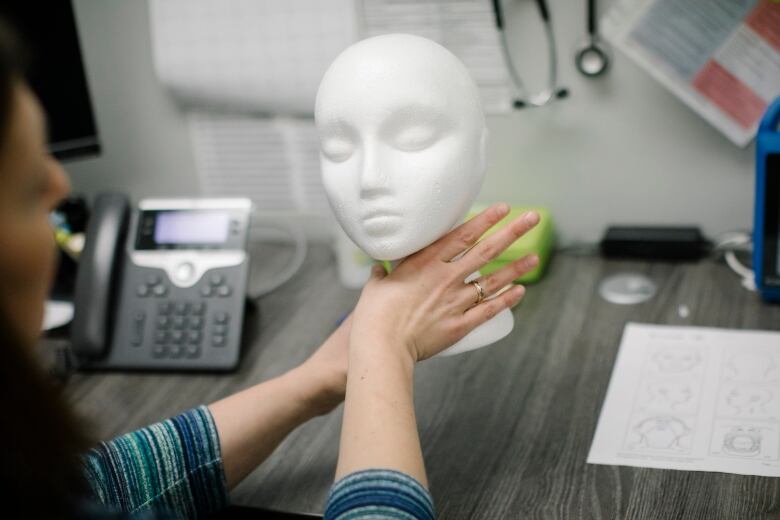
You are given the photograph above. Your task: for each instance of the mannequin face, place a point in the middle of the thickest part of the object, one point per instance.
(403, 141)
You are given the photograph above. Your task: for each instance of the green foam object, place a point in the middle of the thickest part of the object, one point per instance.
(540, 240)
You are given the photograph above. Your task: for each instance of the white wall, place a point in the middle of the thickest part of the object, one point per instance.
(619, 150)
(146, 145)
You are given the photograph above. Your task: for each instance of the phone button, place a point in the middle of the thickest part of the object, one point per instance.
(196, 322)
(184, 272)
(138, 328)
(220, 330)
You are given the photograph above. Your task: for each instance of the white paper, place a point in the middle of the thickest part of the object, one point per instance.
(466, 27)
(720, 57)
(269, 56)
(691, 398)
(249, 55)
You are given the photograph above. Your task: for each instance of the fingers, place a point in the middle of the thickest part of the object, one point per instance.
(495, 282)
(492, 246)
(486, 310)
(464, 236)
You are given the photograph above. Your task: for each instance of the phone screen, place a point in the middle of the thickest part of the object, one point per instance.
(191, 227)
(163, 229)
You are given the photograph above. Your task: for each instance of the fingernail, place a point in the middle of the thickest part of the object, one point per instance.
(519, 291)
(531, 218)
(503, 208)
(533, 260)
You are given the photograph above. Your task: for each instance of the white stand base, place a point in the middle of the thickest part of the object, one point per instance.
(484, 335)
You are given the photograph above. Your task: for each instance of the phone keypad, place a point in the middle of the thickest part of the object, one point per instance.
(179, 329)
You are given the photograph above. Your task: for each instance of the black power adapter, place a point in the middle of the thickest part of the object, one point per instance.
(654, 243)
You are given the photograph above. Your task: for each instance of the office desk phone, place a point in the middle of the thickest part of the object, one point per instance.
(162, 287)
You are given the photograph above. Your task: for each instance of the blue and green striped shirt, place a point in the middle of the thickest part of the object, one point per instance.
(175, 468)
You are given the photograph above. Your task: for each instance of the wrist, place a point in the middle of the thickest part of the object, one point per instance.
(319, 390)
(377, 351)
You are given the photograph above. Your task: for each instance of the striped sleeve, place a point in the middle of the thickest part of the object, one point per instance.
(379, 493)
(173, 466)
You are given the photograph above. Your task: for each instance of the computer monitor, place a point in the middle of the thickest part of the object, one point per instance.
(56, 72)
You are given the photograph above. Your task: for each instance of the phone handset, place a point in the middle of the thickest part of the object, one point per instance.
(97, 277)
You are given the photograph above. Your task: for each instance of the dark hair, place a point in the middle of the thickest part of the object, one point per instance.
(41, 442)
(13, 63)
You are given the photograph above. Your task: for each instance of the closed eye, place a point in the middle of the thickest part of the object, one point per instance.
(337, 149)
(417, 137)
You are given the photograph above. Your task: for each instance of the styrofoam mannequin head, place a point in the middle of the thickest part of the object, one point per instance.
(403, 142)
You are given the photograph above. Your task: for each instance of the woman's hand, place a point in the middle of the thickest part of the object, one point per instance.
(411, 314)
(424, 306)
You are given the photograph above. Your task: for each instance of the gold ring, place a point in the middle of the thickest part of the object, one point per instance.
(480, 292)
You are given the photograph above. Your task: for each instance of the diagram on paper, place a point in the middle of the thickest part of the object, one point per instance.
(664, 433)
(693, 399)
(745, 440)
(748, 401)
(752, 367)
(673, 395)
(676, 359)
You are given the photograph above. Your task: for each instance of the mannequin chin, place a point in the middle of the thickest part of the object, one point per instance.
(403, 150)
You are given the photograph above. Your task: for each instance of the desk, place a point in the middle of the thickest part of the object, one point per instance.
(505, 430)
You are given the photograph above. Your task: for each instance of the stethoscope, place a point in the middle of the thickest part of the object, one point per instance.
(552, 91)
(592, 59)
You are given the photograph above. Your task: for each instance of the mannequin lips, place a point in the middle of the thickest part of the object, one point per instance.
(381, 221)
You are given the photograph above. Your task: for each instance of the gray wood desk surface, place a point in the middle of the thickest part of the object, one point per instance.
(506, 429)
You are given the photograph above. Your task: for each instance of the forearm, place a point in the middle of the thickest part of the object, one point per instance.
(379, 428)
(253, 422)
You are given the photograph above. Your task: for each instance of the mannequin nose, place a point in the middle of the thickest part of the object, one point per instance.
(373, 181)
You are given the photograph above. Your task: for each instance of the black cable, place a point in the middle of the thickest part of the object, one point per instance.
(592, 28)
(543, 11)
(499, 14)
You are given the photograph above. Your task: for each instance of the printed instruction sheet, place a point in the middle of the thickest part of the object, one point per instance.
(720, 57)
(690, 398)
